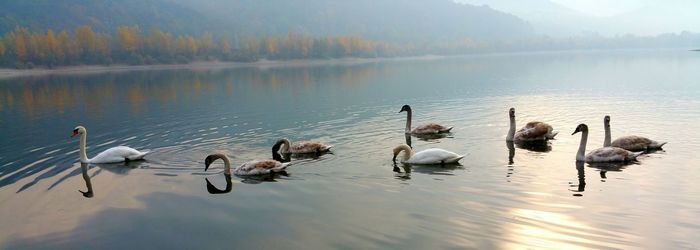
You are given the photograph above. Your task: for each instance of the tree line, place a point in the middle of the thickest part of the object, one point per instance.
(22, 48)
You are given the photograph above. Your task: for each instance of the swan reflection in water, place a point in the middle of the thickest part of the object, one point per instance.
(121, 168)
(511, 154)
(535, 146)
(606, 167)
(404, 170)
(580, 187)
(429, 137)
(89, 193)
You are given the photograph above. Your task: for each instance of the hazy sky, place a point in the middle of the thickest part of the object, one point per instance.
(607, 7)
(605, 17)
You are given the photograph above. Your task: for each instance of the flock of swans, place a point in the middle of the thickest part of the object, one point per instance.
(623, 149)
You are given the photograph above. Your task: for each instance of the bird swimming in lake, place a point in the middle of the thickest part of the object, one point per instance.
(428, 156)
(533, 131)
(423, 129)
(631, 142)
(111, 155)
(301, 147)
(604, 154)
(255, 167)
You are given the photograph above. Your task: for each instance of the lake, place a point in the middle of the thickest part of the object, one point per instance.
(356, 197)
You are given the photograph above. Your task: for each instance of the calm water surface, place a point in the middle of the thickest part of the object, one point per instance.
(355, 197)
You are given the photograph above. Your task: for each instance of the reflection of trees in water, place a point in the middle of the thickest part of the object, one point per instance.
(58, 92)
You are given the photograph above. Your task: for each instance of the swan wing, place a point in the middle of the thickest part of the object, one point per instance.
(535, 131)
(635, 143)
(258, 167)
(118, 154)
(304, 147)
(610, 154)
(430, 128)
(434, 156)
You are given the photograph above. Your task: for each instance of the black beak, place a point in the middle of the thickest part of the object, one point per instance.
(575, 131)
(394, 159)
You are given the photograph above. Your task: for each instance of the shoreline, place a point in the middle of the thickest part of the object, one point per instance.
(6, 73)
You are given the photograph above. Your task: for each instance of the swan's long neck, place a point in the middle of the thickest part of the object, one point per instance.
(409, 115)
(407, 152)
(285, 145)
(227, 165)
(607, 141)
(511, 131)
(83, 153)
(581, 154)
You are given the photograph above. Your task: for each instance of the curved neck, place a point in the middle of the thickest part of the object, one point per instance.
(409, 115)
(606, 142)
(511, 131)
(285, 145)
(83, 153)
(227, 165)
(581, 154)
(407, 151)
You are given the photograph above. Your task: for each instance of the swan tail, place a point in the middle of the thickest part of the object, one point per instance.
(282, 168)
(138, 156)
(658, 146)
(552, 135)
(446, 130)
(454, 160)
(327, 148)
(636, 154)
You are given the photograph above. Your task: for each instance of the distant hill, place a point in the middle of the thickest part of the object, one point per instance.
(387, 20)
(101, 15)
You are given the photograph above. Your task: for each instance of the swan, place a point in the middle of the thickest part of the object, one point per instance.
(533, 131)
(428, 128)
(301, 147)
(604, 154)
(632, 142)
(428, 156)
(111, 155)
(254, 167)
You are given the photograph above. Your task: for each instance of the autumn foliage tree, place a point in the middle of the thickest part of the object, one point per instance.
(22, 48)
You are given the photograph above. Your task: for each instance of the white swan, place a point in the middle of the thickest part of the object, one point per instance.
(255, 167)
(604, 154)
(111, 155)
(533, 131)
(428, 156)
(631, 143)
(301, 147)
(428, 128)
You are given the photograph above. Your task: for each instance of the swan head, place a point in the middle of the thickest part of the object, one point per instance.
(78, 130)
(606, 121)
(580, 128)
(511, 112)
(405, 108)
(211, 158)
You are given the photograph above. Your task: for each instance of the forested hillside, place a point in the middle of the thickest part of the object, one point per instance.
(386, 20)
